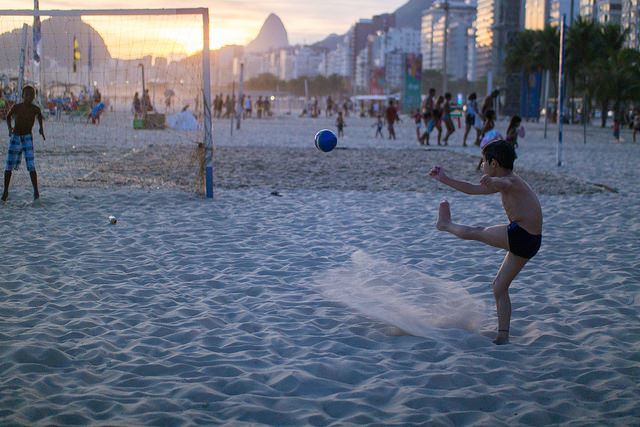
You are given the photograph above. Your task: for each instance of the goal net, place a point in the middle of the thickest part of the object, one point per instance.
(122, 92)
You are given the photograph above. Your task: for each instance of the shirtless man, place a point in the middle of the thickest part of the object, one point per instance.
(521, 238)
(21, 140)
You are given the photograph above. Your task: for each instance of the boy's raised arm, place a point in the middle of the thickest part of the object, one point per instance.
(496, 183)
(40, 124)
(437, 172)
(9, 116)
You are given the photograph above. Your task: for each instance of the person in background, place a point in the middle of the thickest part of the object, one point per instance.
(340, 124)
(514, 130)
(446, 117)
(21, 139)
(379, 124)
(417, 118)
(391, 116)
(471, 118)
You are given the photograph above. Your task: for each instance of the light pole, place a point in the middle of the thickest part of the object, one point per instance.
(144, 101)
(141, 65)
(445, 6)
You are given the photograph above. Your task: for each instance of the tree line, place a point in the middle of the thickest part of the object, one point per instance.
(598, 67)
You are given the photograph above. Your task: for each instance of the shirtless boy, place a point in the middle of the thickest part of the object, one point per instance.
(521, 238)
(25, 114)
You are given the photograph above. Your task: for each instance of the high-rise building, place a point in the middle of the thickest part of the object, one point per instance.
(337, 61)
(459, 50)
(405, 40)
(602, 11)
(497, 22)
(361, 31)
(385, 56)
(536, 15)
(566, 8)
(361, 80)
(631, 20)
(306, 62)
(540, 13)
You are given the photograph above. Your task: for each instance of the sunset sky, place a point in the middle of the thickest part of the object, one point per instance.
(238, 21)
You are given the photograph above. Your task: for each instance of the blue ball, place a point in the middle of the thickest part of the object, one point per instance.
(326, 140)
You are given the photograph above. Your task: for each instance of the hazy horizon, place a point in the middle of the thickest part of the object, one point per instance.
(239, 21)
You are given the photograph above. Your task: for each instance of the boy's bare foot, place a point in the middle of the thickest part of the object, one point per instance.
(444, 216)
(5, 196)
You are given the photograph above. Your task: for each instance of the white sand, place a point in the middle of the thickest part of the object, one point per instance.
(256, 309)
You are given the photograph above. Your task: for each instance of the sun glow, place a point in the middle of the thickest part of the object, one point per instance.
(176, 36)
(130, 37)
(227, 36)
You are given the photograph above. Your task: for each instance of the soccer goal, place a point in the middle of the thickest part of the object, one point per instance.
(125, 94)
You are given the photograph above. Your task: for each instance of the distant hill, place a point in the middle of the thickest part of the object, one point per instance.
(330, 42)
(272, 35)
(410, 14)
(57, 42)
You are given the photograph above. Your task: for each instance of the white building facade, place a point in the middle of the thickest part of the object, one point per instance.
(460, 39)
(631, 20)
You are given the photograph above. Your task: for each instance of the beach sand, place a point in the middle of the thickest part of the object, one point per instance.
(336, 302)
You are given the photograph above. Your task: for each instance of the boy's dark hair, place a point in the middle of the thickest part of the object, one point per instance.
(28, 89)
(502, 152)
(515, 119)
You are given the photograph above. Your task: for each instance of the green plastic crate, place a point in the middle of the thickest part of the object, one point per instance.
(138, 123)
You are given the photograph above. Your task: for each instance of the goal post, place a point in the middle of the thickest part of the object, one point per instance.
(75, 71)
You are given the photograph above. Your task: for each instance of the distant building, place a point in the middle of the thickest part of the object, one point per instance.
(497, 22)
(394, 70)
(306, 62)
(537, 14)
(337, 61)
(405, 40)
(540, 13)
(382, 60)
(564, 7)
(361, 30)
(631, 20)
(460, 40)
(223, 62)
(285, 69)
(602, 11)
(362, 71)
(255, 63)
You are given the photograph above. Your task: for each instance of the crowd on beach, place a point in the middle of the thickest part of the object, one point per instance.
(434, 117)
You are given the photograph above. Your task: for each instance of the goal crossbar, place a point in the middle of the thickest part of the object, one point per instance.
(206, 67)
(103, 12)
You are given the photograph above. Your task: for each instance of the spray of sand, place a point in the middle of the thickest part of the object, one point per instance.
(404, 297)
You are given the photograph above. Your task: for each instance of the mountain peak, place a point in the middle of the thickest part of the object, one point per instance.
(272, 35)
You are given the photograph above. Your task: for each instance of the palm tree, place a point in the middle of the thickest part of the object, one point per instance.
(582, 50)
(609, 45)
(520, 57)
(617, 79)
(533, 51)
(546, 48)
